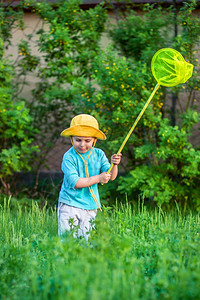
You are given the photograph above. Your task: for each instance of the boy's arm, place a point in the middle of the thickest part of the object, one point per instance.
(115, 160)
(103, 177)
(88, 181)
(114, 172)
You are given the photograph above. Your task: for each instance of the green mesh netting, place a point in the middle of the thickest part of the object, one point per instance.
(169, 67)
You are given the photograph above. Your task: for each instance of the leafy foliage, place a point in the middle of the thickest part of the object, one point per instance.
(75, 75)
(140, 37)
(16, 131)
(10, 19)
(173, 171)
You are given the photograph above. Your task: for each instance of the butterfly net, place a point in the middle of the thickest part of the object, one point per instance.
(170, 68)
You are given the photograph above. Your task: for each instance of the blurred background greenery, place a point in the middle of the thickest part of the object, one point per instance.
(75, 71)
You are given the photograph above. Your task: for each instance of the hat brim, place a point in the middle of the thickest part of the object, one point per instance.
(84, 130)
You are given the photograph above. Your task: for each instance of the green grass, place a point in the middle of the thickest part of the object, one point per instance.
(133, 254)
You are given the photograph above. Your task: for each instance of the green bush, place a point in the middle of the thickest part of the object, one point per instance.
(16, 131)
(139, 37)
(172, 172)
(76, 76)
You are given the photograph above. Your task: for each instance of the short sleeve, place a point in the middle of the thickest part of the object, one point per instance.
(70, 171)
(105, 165)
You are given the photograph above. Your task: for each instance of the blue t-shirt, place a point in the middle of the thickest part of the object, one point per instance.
(73, 168)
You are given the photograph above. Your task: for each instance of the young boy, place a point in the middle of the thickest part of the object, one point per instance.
(84, 167)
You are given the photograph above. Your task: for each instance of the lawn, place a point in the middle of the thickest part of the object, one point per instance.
(134, 253)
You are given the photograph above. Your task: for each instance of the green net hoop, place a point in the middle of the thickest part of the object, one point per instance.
(170, 68)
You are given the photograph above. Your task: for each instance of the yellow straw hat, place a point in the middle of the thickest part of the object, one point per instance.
(84, 125)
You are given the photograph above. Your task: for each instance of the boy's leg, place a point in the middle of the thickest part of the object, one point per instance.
(66, 213)
(81, 217)
(87, 223)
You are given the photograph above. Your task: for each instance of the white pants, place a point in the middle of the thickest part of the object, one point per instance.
(70, 216)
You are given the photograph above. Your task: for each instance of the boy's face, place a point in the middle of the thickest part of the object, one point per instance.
(82, 143)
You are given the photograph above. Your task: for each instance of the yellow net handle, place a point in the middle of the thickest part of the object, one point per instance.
(135, 123)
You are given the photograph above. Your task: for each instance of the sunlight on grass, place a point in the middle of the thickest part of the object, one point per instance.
(132, 254)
